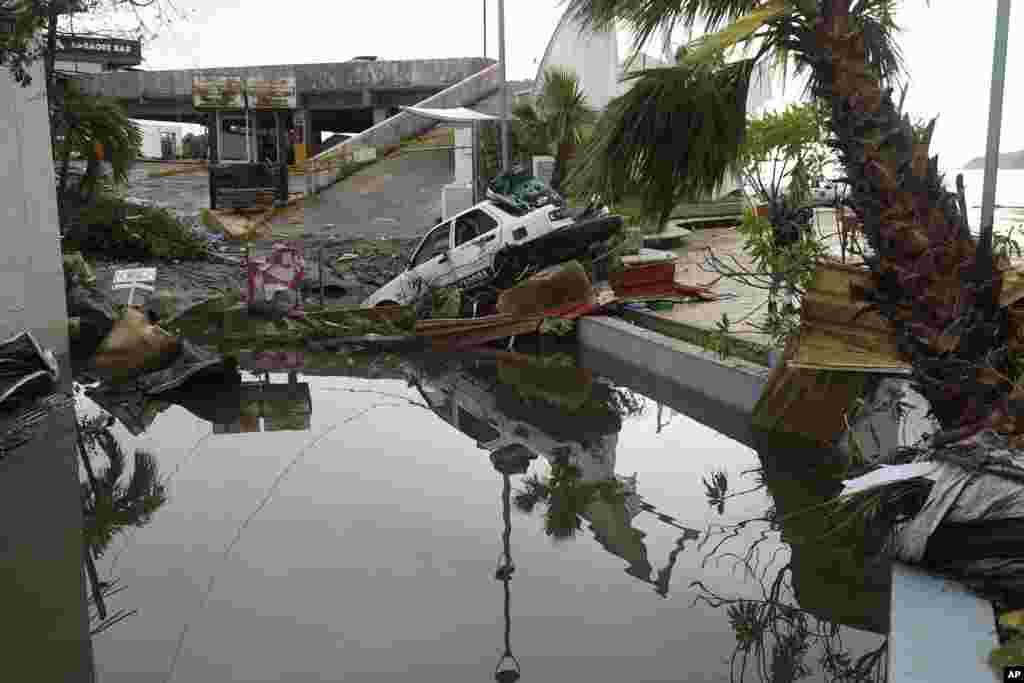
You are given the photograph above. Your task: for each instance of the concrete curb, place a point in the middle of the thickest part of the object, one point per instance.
(750, 351)
(734, 383)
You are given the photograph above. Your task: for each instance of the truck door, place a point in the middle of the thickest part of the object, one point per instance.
(477, 236)
(431, 262)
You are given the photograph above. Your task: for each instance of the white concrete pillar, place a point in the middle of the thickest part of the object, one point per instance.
(463, 156)
(32, 261)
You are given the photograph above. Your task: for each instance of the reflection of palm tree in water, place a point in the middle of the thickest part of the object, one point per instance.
(110, 507)
(113, 506)
(609, 505)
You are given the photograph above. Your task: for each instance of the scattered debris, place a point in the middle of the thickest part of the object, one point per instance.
(273, 281)
(837, 333)
(22, 361)
(559, 285)
(134, 346)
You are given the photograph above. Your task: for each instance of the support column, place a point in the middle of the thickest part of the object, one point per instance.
(213, 150)
(302, 121)
(314, 135)
(280, 144)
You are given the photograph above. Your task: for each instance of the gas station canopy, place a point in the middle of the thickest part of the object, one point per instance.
(451, 115)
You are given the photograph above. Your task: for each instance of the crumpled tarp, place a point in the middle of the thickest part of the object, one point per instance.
(23, 361)
(963, 496)
(522, 191)
(197, 378)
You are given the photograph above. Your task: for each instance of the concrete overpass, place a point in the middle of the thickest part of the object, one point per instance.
(342, 96)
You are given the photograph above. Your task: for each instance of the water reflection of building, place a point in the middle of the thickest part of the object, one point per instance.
(233, 406)
(474, 399)
(265, 406)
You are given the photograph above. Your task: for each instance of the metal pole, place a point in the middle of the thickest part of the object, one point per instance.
(320, 261)
(476, 162)
(248, 138)
(504, 88)
(995, 120)
(220, 141)
(485, 28)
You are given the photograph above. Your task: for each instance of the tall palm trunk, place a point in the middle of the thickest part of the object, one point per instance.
(925, 261)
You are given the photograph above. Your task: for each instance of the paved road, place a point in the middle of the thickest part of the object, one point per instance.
(185, 194)
(396, 197)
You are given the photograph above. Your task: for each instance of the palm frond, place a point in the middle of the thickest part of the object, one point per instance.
(145, 480)
(709, 46)
(564, 106)
(878, 30)
(674, 135)
(534, 491)
(93, 119)
(645, 18)
(109, 475)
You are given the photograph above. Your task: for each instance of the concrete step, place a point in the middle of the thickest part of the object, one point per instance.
(940, 632)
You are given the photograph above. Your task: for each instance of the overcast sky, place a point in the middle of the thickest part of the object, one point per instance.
(948, 48)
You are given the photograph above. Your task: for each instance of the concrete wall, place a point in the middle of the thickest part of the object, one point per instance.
(29, 204)
(42, 588)
(310, 79)
(592, 55)
(152, 147)
(734, 383)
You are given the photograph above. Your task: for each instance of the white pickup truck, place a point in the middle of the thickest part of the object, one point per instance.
(491, 242)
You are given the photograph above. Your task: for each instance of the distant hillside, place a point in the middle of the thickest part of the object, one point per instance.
(1010, 161)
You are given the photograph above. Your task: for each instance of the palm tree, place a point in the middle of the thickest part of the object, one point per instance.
(566, 496)
(92, 121)
(558, 120)
(677, 131)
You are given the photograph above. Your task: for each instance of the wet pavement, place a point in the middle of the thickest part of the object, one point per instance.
(350, 521)
(186, 194)
(396, 197)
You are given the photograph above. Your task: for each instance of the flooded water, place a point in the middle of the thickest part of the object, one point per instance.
(364, 534)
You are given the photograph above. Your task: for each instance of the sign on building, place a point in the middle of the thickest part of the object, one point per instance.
(111, 46)
(217, 92)
(276, 93)
(234, 93)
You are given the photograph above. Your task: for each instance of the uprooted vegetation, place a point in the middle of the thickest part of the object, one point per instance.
(113, 228)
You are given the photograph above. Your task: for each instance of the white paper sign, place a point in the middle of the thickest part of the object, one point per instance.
(889, 474)
(134, 275)
(133, 285)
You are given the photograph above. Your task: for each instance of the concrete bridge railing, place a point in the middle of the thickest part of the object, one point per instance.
(310, 79)
(321, 169)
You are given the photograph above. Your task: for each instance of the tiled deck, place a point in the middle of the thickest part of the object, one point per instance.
(745, 305)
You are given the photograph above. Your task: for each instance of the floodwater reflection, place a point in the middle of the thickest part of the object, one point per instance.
(352, 544)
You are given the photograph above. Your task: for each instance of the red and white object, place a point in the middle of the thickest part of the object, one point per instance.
(281, 271)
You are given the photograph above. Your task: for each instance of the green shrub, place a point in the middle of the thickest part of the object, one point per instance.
(113, 228)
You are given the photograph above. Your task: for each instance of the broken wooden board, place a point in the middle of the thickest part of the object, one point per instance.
(809, 403)
(1012, 290)
(838, 333)
(250, 223)
(835, 347)
(458, 333)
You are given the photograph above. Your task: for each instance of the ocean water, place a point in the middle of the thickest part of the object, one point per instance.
(1009, 199)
